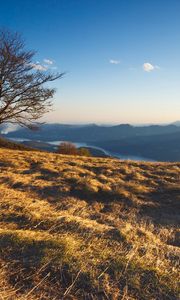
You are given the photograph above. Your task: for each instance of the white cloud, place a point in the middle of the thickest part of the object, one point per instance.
(48, 61)
(147, 67)
(114, 62)
(38, 67)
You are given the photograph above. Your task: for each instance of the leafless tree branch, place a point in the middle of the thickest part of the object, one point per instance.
(24, 96)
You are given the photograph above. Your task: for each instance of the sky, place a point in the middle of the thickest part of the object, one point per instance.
(121, 57)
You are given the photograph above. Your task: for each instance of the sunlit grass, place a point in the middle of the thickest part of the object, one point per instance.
(87, 228)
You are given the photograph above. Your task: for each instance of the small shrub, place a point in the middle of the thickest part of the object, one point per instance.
(71, 149)
(67, 148)
(84, 152)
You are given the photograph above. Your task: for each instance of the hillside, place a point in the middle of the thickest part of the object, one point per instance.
(87, 228)
(6, 144)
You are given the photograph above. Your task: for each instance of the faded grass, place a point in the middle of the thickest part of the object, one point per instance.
(87, 228)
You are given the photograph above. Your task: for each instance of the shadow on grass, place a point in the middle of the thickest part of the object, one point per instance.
(22, 220)
(46, 174)
(166, 208)
(142, 283)
(161, 205)
(28, 266)
(26, 257)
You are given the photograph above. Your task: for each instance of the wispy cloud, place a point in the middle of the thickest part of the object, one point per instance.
(47, 64)
(148, 67)
(38, 67)
(114, 62)
(48, 61)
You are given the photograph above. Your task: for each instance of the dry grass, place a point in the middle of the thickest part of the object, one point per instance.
(87, 228)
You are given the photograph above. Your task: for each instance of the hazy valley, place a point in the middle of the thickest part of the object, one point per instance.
(151, 142)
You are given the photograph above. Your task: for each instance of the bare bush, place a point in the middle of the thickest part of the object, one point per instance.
(71, 149)
(67, 148)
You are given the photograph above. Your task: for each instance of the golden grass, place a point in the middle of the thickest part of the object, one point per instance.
(87, 228)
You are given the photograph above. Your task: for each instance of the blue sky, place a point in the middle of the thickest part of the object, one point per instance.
(122, 57)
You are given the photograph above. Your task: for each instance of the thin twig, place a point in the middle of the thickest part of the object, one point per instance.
(103, 271)
(73, 283)
(32, 290)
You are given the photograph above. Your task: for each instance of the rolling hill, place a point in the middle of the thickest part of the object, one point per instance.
(7, 144)
(87, 228)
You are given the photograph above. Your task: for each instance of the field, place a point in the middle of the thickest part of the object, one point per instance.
(87, 228)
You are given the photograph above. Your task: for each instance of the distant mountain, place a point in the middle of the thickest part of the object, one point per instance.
(162, 147)
(90, 133)
(158, 142)
(177, 123)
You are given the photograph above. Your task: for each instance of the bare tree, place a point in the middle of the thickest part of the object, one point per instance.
(24, 96)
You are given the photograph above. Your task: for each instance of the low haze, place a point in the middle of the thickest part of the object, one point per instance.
(121, 58)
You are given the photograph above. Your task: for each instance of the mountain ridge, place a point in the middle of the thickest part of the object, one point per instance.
(155, 142)
(90, 132)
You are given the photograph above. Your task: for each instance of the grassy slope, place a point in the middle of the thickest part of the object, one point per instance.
(87, 228)
(7, 144)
